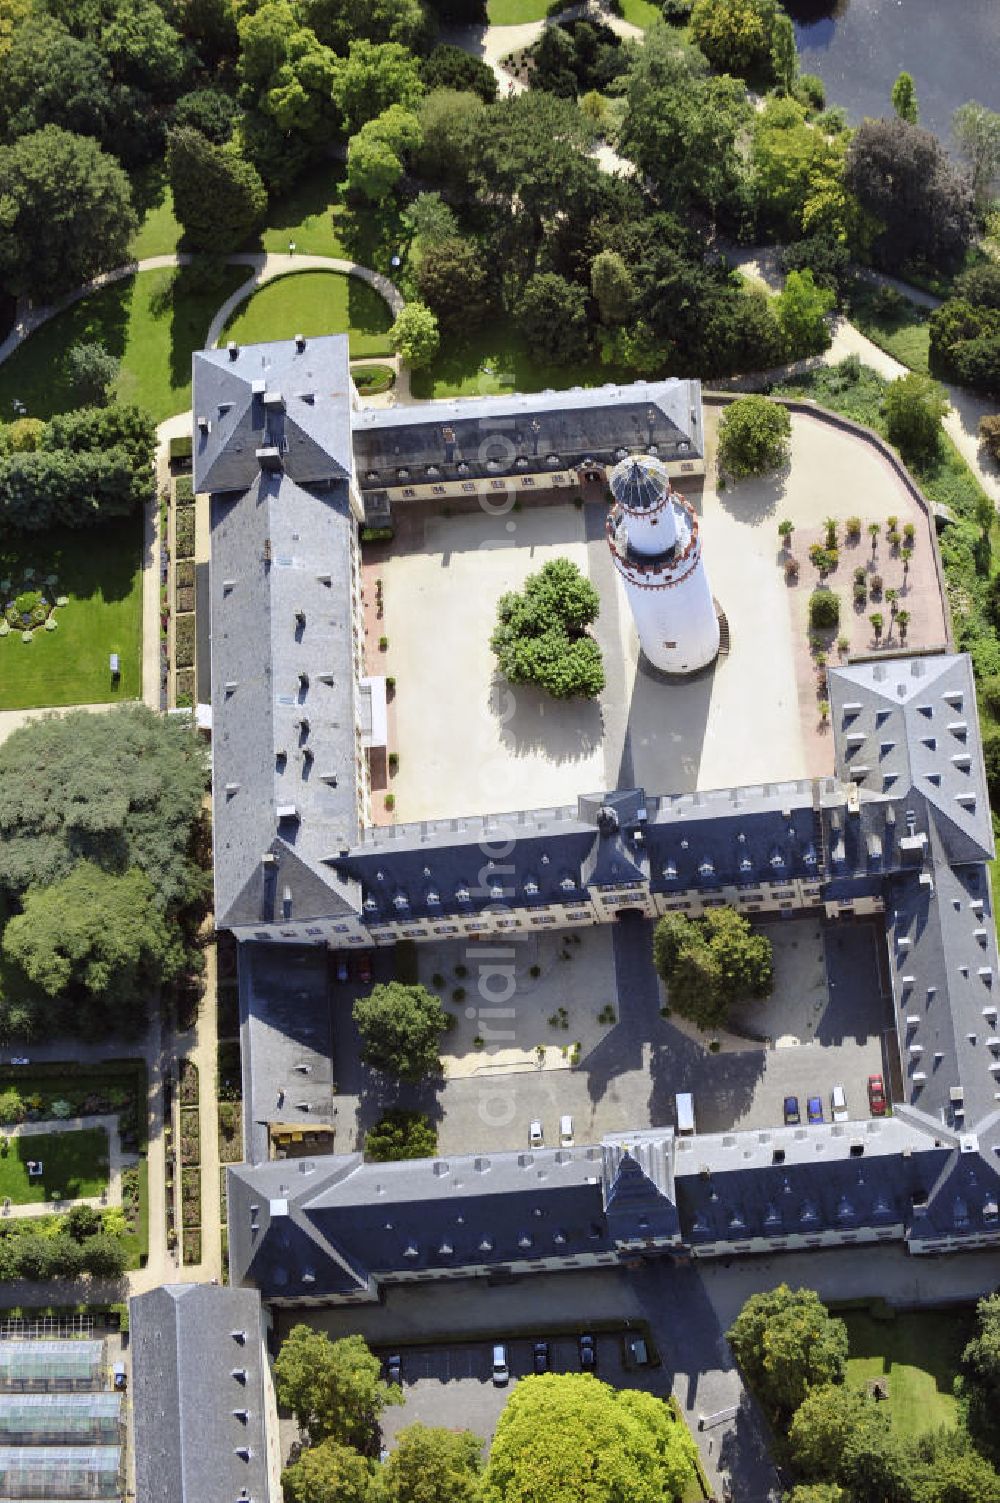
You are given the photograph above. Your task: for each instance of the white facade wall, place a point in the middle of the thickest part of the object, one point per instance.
(671, 599)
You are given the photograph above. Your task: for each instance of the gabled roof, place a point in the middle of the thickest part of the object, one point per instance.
(288, 396)
(478, 436)
(639, 1197)
(198, 1394)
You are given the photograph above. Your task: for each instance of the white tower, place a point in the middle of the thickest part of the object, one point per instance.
(656, 548)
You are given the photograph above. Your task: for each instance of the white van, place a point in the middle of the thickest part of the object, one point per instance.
(566, 1132)
(838, 1104)
(501, 1372)
(684, 1104)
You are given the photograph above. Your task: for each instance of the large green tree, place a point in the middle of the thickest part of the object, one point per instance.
(401, 1028)
(902, 177)
(751, 38)
(452, 281)
(754, 436)
(97, 942)
(566, 1437)
(398, 1135)
(375, 154)
(333, 1388)
(450, 67)
(977, 131)
(218, 197)
(981, 1357)
(431, 1465)
(788, 1343)
(414, 335)
(541, 634)
(122, 789)
(838, 1434)
(340, 22)
(328, 1473)
(552, 318)
(945, 1467)
(286, 72)
(913, 407)
(802, 307)
(372, 77)
(65, 213)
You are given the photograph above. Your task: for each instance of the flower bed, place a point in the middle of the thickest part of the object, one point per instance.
(28, 604)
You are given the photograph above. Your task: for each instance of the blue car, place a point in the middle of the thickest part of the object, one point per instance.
(814, 1109)
(792, 1118)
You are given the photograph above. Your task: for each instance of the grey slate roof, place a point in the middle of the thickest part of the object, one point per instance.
(325, 1224)
(296, 400)
(548, 431)
(190, 1372)
(282, 683)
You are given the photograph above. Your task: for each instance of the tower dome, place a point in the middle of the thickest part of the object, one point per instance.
(656, 547)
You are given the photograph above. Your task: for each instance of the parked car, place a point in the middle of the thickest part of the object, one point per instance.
(501, 1372)
(566, 1132)
(363, 968)
(393, 1369)
(535, 1135)
(540, 1356)
(838, 1104)
(814, 1109)
(876, 1096)
(792, 1118)
(588, 1354)
(341, 967)
(20, 1059)
(636, 1352)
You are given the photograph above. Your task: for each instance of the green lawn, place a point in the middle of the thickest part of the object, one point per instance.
(316, 302)
(495, 359)
(919, 1353)
(516, 12)
(158, 233)
(75, 1165)
(641, 13)
(152, 322)
(99, 569)
(313, 216)
(904, 334)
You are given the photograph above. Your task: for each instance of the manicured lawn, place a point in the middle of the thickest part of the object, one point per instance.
(516, 12)
(316, 302)
(152, 322)
(313, 216)
(918, 1352)
(159, 232)
(640, 12)
(99, 569)
(496, 360)
(903, 334)
(75, 1165)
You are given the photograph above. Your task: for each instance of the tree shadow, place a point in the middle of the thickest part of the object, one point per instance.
(756, 498)
(560, 730)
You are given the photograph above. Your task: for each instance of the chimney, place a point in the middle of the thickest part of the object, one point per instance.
(234, 349)
(300, 342)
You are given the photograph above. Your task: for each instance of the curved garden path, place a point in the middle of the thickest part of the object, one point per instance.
(264, 266)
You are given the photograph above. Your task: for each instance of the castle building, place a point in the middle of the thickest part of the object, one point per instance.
(656, 547)
(901, 830)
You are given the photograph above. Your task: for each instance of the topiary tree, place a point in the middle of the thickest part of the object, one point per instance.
(904, 98)
(824, 609)
(913, 407)
(541, 634)
(399, 1135)
(415, 335)
(218, 196)
(801, 309)
(754, 436)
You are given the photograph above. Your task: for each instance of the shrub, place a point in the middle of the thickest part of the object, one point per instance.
(825, 559)
(754, 436)
(12, 1107)
(824, 608)
(400, 1135)
(989, 432)
(852, 528)
(791, 570)
(913, 408)
(184, 490)
(389, 801)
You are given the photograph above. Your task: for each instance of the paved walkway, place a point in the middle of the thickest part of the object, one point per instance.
(117, 1161)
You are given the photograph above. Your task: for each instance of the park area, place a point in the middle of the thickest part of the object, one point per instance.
(316, 302)
(101, 580)
(74, 1166)
(916, 1353)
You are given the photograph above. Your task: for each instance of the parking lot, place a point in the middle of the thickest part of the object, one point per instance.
(445, 1385)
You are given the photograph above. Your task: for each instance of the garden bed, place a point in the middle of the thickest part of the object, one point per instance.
(184, 531)
(88, 1090)
(187, 1076)
(190, 1136)
(191, 1246)
(230, 1132)
(184, 639)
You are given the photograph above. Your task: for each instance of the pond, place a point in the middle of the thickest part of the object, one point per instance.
(858, 48)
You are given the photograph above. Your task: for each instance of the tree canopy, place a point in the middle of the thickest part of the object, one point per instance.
(218, 197)
(401, 1028)
(541, 634)
(754, 436)
(65, 213)
(415, 336)
(838, 1434)
(120, 790)
(711, 963)
(752, 39)
(913, 407)
(902, 177)
(566, 1437)
(788, 1344)
(430, 1465)
(328, 1473)
(80, 467)
(333, 1388)
(400, 1134)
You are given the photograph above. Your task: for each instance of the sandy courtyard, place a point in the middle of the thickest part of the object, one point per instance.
(468, 743)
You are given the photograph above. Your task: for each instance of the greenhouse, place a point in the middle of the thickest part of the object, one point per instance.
(44, 1472)
(53, 1419)
(70, 1366)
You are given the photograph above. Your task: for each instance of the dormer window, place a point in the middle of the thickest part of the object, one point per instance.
(531, 888)
(496, 891)
(567, 884)
(746, 865)
(400, 901)
(370, 905)
(462, 894)
(777, 860)
(670, 872)
(433, 898)
(706, 868)
(809, 856)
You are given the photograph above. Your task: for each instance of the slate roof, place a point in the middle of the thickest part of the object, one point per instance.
(283, 699)
(325, 1224)
(190, 1372)
(295, 399)
(547, 431)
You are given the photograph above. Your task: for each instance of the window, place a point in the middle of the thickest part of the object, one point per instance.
(445, 928)
(498, 485)
(673, 907)
(314, 930)
(341, 928)
(289, 933)
(413, 933)
(437, 490)
(541, 918)
(574, 916)
(528, 480)
(408, 491)
(468, 486)
(508, 923)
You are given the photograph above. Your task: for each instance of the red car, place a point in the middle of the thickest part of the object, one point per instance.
(876, 1096)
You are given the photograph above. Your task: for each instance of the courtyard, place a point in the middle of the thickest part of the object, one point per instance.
(753, 717)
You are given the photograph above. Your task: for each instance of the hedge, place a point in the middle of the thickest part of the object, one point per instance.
(184, 532)
(184, 629)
